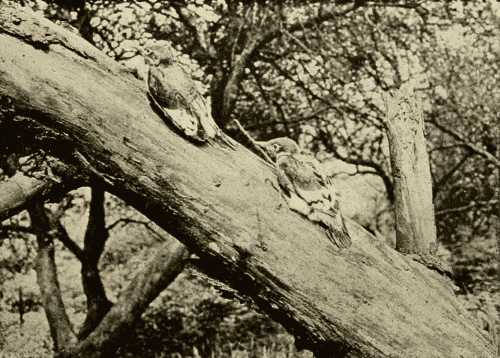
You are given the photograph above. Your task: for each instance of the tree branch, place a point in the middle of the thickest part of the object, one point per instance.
(59, 324)
(17, 191)
(63, 236)
(377, 168)
(466, 143)
(6, 229)
(95, 238)
(144, 288)
(218, 202)
(256, 40)
(146, 224)
(440, 183)
(35, 179)
(467, 207)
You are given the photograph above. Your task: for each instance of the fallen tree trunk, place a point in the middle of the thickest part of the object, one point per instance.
(367, 301)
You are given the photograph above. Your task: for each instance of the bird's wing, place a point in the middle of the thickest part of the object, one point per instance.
(315, 189)
(171, 102)
(159, 88)
(309, 183)
(199, 106)
(284, 166)
(193, 101)
(176, 95)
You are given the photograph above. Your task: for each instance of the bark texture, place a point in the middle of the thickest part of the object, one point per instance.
(415, 222)
(367, 301)
(18, 190)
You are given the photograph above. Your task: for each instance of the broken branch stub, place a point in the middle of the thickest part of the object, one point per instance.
(414, 210)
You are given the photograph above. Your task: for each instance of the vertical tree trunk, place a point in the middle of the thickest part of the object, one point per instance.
(94, 241)
(59, 323)
(415, 222)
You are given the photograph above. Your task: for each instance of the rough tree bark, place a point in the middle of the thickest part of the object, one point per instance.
(367, 301)
(414, 209)
(15, 192)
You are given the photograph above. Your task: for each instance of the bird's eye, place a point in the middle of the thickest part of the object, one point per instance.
(276, 147)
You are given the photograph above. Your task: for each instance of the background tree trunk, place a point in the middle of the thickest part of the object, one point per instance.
(60, 326)
(366, 301)
(414, 210)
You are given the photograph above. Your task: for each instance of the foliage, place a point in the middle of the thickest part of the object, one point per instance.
(295, 68)
(182, 322)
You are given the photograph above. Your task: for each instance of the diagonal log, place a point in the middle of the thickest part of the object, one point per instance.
(19, 190)
(367, 301)
(24, 186)
(168, 262)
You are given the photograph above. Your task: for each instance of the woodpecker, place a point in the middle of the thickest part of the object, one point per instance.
(174, 93)
(307, 189)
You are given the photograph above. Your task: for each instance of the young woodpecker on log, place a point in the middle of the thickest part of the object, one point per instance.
(307, 189)
(174, 93)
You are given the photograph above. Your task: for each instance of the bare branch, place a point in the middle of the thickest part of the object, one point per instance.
(144, 288)
(440, 183)
(258, 39)
(377, 168)
(196, 27)
(9, 228)
(146, 224)
(471, 205)
(64, 237)
(466, 143)
(60, 326)
(18, 191)
(254, 145)
(95, 238)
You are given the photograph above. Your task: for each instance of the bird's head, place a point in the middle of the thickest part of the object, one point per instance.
(277, 146)
(158, 55)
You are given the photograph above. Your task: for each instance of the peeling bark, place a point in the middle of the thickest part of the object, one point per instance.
(367, 301)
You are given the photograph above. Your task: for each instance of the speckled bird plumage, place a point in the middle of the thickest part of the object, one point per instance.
(307, 189)
(176, 95)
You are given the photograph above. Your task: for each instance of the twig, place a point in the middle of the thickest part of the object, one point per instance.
(125, 221)
(255, 146)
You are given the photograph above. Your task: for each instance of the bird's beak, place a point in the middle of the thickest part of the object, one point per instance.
(137, 49)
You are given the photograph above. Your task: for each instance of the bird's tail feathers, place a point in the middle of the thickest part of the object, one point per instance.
(334, 226)
(339, 238)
